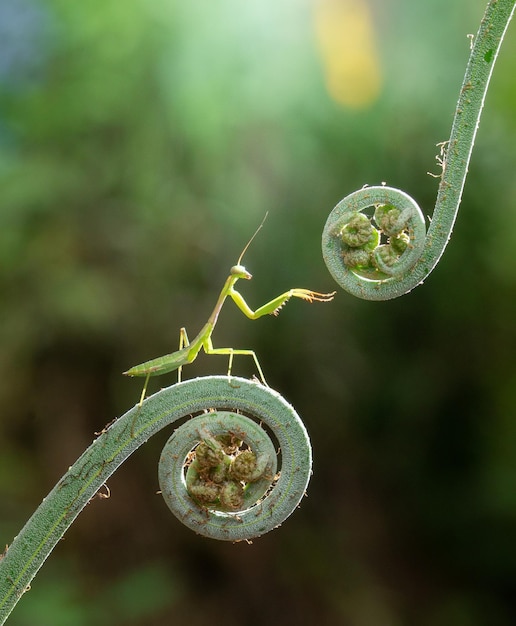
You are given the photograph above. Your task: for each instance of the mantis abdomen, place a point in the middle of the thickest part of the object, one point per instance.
(163, 364)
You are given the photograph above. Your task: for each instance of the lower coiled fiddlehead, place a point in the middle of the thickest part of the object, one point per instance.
(218, 472)
(236, 467)
(387, 253)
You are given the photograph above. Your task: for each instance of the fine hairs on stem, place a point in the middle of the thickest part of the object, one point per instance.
(386, 255)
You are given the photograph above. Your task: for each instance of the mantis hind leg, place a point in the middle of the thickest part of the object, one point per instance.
(142, 398)
(144, 390)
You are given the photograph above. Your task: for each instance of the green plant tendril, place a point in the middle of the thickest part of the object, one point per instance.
(386, 255)
(228, 418)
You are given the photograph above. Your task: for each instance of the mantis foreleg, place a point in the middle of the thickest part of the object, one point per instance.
(273, 307)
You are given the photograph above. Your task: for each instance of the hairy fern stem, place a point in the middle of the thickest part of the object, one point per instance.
(256, 490)
(394, 255)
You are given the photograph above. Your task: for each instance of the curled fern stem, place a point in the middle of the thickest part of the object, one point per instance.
(386, 253)
(219, 472)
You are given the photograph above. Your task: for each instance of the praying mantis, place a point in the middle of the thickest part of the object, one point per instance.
(189, 350)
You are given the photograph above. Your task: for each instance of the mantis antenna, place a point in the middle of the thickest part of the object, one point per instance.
(251, 240)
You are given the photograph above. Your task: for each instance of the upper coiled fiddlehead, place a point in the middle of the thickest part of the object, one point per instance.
(386, 255)
(234, 423)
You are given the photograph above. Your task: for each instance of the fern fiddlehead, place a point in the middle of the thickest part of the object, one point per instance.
(384, 256)
(223, 447)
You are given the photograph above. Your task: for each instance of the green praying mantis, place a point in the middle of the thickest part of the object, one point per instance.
(189, 350)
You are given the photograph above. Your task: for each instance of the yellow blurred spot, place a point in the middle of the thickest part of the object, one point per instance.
(346, 42)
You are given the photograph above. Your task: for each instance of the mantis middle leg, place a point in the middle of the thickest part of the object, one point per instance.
(183, 341)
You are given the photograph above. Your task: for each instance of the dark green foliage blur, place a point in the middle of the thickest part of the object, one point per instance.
(141, 143)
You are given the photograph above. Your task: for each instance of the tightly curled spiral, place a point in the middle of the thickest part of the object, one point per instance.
(215, 472)
(369, 255)
(240, 468)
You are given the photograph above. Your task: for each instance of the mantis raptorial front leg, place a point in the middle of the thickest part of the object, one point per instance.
(188, 351)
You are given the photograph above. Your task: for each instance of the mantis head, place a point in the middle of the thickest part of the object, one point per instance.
(239, 271)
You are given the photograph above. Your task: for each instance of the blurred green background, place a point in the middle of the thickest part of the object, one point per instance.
(141, 143)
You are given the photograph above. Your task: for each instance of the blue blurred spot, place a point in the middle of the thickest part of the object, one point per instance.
(25, 28)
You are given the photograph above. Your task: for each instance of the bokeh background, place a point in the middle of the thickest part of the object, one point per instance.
(141, 143)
